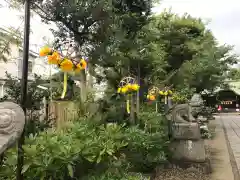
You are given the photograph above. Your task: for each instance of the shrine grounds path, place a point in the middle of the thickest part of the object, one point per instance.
(225, 147)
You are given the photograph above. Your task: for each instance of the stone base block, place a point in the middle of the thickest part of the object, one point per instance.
(189, 151)
(186, 131)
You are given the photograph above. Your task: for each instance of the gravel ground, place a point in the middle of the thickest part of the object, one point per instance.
(181, 174)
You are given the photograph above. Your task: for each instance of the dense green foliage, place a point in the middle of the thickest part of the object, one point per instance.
(234, 74)
(84, 148)
(121, 38)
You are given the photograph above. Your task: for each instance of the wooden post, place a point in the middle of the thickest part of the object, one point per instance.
(156, 106)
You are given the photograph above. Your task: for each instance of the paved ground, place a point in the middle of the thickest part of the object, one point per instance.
(231, 125)
(220, 156)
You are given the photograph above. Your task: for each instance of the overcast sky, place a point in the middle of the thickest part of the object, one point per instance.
(224, 16)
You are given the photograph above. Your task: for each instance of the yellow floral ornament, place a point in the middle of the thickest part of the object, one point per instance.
(65, 64)
(166, 93)
(45, 51)
(81, 65)
(54, 58)
(151, 97)
(127, 86)
(152, 93)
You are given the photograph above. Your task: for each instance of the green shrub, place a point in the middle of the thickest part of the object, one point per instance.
(145, 149)
(57, 154)
(84, 148)
(152, 122)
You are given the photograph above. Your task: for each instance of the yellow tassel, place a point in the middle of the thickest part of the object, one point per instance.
(128, 106)
(64, 86)
(165, 100)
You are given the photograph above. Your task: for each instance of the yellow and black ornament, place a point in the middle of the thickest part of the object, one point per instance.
(127, 86)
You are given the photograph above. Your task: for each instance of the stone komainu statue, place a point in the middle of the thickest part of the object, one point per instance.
(180, 113)
(186, 143)
(12, 121)
(197, 104)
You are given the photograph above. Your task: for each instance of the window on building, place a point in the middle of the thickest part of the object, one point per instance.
(30, 62)
(30, 66)
(2, 90)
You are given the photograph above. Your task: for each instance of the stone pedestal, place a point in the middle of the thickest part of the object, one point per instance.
(186, 131)
(188, 150)
(187, 144)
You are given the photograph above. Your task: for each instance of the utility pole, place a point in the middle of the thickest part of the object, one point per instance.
(24, 81)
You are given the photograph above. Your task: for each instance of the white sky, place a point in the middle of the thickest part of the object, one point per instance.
(39, 30)
(223, 14)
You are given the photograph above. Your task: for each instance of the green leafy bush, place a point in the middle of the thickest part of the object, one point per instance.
(152, 122)
(67, 153)
(84, 148)
(145, 149)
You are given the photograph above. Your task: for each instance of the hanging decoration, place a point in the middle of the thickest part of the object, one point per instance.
(64, 63)
(153, 92)
(127, 86)
(165, 93)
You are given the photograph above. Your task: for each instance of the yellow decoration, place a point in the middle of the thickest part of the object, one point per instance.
(64, 85)
(66, 65)
(152, 97)
(54, 58)
(119, 90)
(129, 86)
(135, 87)
(83, 63)
(78, 68)
(124, 90)
(128, 106)
(161, 92)
(45, 51)
(165, 93)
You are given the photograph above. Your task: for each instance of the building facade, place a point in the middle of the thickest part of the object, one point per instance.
(226, 99)
(13, 66)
